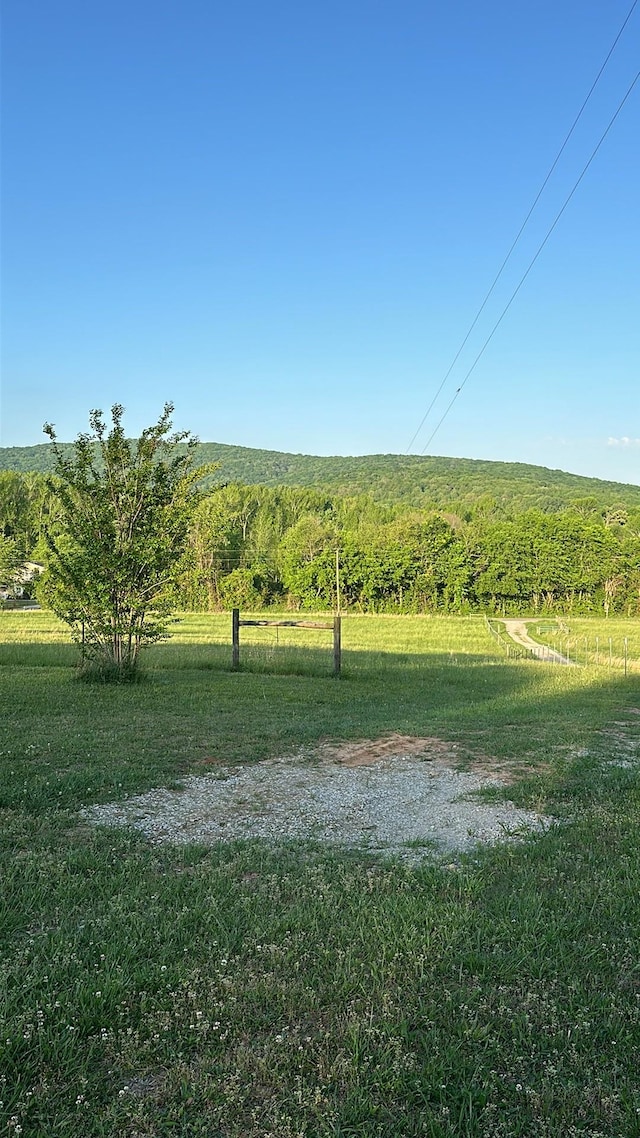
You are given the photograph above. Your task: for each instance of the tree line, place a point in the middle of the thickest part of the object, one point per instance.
(253, 546)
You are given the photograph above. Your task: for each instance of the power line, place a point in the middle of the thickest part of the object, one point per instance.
(533, 260)
(521, 230)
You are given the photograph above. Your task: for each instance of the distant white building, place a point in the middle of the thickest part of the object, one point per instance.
(24, 577)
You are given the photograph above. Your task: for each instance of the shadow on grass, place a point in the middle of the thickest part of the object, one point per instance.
(23, 653)
(268, 658)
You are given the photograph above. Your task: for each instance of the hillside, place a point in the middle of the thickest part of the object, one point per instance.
(412, 479)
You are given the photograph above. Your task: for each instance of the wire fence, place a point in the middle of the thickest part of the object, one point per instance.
(511, 650)
(619, 654)
(556, 644)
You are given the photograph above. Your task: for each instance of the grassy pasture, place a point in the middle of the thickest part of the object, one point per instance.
(241, 991)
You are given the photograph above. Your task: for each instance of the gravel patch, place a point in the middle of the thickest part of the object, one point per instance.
(392, 803)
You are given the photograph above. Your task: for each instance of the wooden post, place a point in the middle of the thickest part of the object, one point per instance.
(235, 638)
(337, 647)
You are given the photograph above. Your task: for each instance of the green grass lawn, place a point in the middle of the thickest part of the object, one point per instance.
(245, 991)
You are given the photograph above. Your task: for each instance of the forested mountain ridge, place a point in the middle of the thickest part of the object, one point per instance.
(421, 482)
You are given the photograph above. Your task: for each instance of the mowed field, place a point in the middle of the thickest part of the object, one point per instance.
(242, 990)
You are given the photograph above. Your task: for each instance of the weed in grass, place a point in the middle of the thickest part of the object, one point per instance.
(97, 671)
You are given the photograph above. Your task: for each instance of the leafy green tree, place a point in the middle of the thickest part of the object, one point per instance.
(547, 561)
(15, 508)
(242, 588)
(407, 564)
(125, 508)
(25, 501)
(307, 561)
(10, 563)
(215, 545)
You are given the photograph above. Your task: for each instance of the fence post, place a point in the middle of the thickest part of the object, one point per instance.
(235, 638)
(337, 647)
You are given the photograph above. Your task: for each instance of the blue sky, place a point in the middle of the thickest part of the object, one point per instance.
(283, 217)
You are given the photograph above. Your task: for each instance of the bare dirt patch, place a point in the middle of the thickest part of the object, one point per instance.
(396, 794)
(368, 752)
(365, 752)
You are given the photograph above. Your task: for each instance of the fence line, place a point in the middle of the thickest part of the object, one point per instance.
(237, 624)
(512, 650)
(609, 652)
(600, 652)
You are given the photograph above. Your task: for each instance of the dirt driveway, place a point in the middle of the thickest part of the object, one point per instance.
(517, 630)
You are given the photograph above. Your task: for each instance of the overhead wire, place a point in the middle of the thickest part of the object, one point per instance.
(521, 230)
(533, 260)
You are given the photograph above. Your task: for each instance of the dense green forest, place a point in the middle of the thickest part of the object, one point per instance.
(453, 484)
(258, 545)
